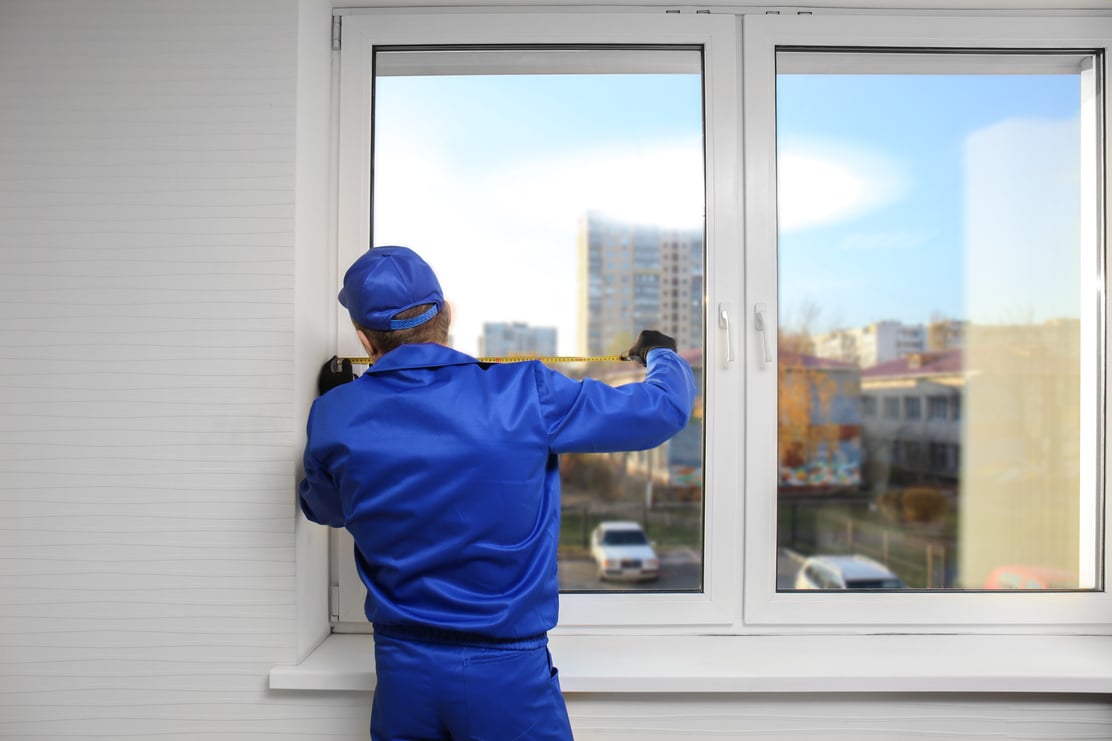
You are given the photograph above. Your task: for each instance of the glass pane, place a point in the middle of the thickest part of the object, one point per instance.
(938, 326)
(563, 213)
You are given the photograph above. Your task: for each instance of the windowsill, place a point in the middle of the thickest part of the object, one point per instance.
(779, 664)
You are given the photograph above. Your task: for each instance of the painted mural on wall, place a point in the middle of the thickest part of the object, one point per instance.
(819, 431)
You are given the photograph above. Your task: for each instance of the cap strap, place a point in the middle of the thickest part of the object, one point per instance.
(414, 321)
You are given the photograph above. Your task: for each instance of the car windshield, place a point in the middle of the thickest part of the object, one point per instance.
(624, 537)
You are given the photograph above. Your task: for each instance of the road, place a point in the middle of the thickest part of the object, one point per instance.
(680, 570)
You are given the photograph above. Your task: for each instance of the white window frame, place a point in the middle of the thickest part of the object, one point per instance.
(781, 642)
(717, 608)
(898, 612)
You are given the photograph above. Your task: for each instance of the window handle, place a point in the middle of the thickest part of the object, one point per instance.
(724, 324)
(759, 322)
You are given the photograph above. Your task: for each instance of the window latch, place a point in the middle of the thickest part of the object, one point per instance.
(724, 324)
(762, 329)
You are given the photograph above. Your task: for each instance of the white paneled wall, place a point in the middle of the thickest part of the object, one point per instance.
(150, 420)
(146, 385)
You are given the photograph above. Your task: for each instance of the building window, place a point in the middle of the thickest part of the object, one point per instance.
(912, 406)
(868, 406)
(938, 407)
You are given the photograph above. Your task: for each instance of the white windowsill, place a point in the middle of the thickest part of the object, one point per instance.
(819, 664)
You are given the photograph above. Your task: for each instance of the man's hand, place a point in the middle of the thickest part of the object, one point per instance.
(649, 339)
(333, 373)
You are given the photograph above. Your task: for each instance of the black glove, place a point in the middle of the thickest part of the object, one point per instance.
(333, 373)
(649, 339)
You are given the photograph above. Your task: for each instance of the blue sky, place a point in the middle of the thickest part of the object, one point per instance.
(901, 197)
(488, 177)
(954, 166)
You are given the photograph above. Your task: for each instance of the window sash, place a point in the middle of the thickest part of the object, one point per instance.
(920, 611)
(717, 607)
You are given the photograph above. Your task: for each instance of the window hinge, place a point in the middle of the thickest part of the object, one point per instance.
(334, 602)
(336, 22)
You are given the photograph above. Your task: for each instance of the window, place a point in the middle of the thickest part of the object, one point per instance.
(938, 407)
(532, 159)
(940, 454)
(528, 175)
(767, 462)
(565, 158)
(857, 131)
(937, 193)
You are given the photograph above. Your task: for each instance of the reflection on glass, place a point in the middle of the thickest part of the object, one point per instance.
(932, 307)
(563, 213)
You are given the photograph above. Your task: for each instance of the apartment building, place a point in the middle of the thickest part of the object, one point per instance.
(883, 341)
(516, 338)
(638, 276)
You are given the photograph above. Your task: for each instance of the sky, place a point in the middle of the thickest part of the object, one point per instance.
(910, 197)
(900, 197)
(487, 177)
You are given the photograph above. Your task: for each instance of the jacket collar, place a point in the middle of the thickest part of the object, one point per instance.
(425, 355)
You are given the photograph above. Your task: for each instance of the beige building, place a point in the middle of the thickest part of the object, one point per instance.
(974, 423)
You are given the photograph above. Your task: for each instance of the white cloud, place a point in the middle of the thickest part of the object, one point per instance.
(821, 184)
(660, 184)
(865, 241)
(517, 224)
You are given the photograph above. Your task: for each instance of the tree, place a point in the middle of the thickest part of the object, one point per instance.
(804, 398)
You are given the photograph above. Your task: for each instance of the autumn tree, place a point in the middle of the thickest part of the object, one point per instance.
(805, 394)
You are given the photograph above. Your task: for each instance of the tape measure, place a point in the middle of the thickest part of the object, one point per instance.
(523, 358)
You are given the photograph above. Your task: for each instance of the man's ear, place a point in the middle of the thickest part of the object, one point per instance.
(365, 341)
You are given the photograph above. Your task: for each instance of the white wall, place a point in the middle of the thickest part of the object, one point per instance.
(162, 174)
(147, 406)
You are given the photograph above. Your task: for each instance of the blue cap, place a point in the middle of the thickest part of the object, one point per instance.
(385, 282)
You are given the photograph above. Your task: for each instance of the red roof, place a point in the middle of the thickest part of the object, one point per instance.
(695, 358)
(798, 359)
(918, 364)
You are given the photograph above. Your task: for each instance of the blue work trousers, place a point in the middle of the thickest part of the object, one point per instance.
(430, 691)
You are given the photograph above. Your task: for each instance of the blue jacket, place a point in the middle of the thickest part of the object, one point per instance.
(445, 472)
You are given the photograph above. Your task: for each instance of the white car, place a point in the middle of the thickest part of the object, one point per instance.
(845, 572)
(621, 551)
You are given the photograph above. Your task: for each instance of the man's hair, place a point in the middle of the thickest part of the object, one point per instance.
(434, 330)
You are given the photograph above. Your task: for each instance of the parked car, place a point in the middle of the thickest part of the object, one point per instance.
(830, 571)
(622, 551)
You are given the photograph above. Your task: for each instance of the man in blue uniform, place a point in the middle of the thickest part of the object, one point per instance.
(444, 470)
